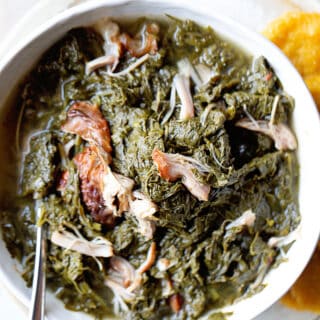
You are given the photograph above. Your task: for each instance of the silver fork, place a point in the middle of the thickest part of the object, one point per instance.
(36, 311)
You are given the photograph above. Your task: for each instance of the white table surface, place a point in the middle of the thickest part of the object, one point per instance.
(12, 11)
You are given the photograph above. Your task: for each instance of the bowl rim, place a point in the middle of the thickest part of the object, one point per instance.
(92, 5)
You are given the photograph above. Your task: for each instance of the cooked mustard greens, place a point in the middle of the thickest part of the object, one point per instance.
(198, 126)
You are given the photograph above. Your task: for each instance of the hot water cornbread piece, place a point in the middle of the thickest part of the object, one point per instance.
(305, 294)
(297, 34)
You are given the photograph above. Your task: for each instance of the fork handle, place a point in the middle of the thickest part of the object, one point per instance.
(36, 311)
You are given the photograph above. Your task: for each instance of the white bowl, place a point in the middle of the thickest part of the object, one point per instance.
(20, 60)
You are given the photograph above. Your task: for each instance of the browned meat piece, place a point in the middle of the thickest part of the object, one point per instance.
(144, 42)
(106, 194)
(87, 121)
(91, 171)
(176, 302)
(174, 166)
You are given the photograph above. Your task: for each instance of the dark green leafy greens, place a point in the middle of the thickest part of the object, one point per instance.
(211, 265)
(40, 162)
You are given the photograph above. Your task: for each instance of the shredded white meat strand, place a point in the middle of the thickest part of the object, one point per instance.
(280, 133)
(143, 209)
(186, 69)
(123, 269)
(246, 219)
(285, 240)
(133, 66)
(110, 32)
(172, 105)
(182, 86)
(123, 279)
(163, 264)
(205, 113)
(151, 257)
(249, 115)
(119, 290)
(116, 186)
(203, 168)
(274, 109)
(95, 248)
(204, 73)
(100, 62)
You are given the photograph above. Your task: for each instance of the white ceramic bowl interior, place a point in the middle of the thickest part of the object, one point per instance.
(305, 120)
